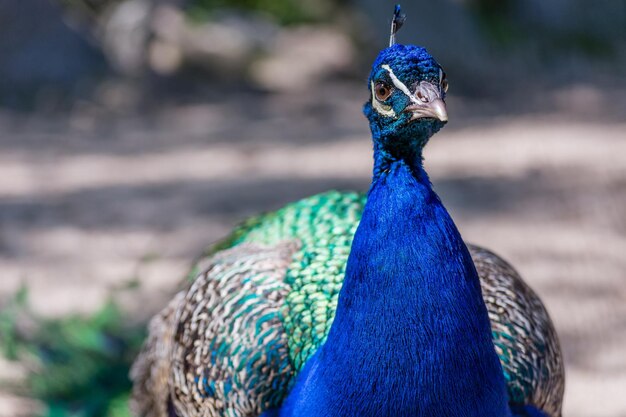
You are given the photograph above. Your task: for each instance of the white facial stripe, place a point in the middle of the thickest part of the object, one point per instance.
(379, 107)
(399, 84)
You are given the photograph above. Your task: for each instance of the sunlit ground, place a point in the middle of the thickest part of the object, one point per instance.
(95, 200)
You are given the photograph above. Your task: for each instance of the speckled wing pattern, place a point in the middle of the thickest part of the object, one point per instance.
(227, 350)
(523, 335)
(263, 302)
(152, 368)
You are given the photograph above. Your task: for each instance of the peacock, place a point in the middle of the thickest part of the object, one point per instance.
(352, 305)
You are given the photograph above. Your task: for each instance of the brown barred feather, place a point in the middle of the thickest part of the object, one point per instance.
(219, 349)
(523, 333)
(151, 370)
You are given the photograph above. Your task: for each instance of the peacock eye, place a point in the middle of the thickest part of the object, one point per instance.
(444, 83)
(382, 91)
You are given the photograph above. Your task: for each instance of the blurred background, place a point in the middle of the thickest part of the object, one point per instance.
(134, 133)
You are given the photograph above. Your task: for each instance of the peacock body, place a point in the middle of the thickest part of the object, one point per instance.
(343, 304)
(283, 271)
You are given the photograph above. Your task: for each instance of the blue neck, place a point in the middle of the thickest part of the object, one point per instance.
(411, 336)
(405, 151)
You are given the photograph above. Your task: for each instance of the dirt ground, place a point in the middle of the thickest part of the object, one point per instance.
(93, 200)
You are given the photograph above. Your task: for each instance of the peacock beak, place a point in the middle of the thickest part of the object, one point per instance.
(435, 108)
(427, 102)
(438, 109)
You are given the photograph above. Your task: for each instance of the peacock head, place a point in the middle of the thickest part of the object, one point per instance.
(406, 105)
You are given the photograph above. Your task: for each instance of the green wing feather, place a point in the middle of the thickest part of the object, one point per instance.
(324, 225)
